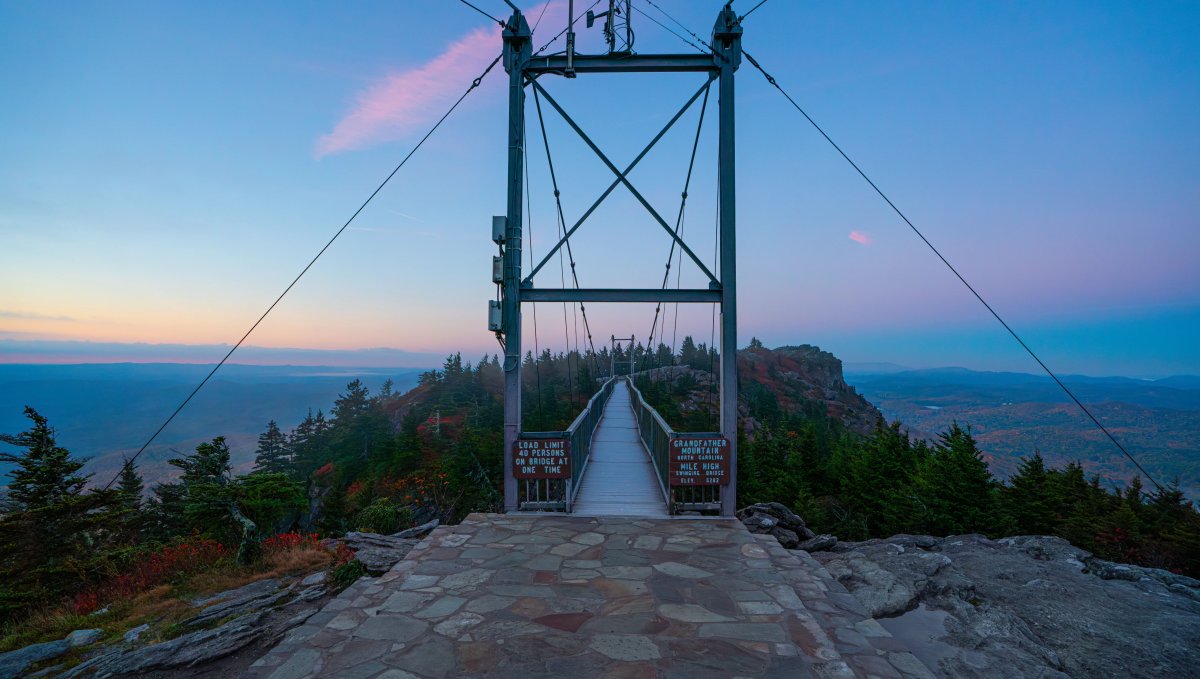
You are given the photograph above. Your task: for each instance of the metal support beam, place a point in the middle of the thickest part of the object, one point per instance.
(625, 63)
(727, 48)
(523, 69)
(595, 204)
(624, 180)
(517, 50)
(650, 296)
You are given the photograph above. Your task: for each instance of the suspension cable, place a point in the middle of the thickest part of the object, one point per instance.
(664, 26)
(760, 4)
(679, 221)
(474, 84)
(774, 83)
(482, 12)
(537, 359)
(562, 221)
(560, 34)
(689, 31)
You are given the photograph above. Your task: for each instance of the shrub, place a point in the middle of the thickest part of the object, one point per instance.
(383, 516)
(285, 542)
(345, 574)
(170, 564)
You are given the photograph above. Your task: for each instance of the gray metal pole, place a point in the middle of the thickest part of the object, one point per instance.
(517, 50)
(727, 46)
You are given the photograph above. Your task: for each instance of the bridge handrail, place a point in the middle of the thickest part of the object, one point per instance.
(656, 435)
(580, 433)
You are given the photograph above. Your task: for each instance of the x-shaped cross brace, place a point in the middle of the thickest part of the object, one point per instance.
(621, 179)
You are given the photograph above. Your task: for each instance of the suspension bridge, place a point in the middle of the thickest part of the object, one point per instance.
(617, 554)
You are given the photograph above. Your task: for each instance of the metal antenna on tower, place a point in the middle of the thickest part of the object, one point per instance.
(570, 69)
(617, 26)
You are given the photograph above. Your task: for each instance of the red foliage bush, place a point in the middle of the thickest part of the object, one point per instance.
(343, 554)
(169, 564)
(288, 541)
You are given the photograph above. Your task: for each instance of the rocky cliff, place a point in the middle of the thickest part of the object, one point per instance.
(793, 378)
(1025, 606)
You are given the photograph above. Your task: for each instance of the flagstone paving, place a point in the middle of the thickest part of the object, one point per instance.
(559, 596)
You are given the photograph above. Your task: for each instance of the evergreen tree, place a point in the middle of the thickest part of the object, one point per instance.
(355, 401)
(877, 484)
(45, 476)
(273, 454)
(955, 487)
(51, 530)
(1028, 499)
(205, 488)
(130, 486)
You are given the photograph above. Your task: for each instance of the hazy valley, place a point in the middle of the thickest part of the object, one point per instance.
(1015, 414)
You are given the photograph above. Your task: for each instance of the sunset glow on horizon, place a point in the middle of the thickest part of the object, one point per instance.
(168, 201)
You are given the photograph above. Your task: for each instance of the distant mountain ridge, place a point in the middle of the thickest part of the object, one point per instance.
(1014, 415)
(105, 411)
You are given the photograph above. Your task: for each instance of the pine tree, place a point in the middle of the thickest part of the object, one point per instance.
(52, 531)
(1028, 499)
(130, 486)
(955, 486)
(45, 475)
(273, 454)
(356, 400)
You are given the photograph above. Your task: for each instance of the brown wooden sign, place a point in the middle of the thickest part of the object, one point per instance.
(699, 461)
(542, 459)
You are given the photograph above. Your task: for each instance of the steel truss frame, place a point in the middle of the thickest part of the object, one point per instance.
(524, 70)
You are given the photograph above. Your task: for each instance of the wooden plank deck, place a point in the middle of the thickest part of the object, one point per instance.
(620, 479)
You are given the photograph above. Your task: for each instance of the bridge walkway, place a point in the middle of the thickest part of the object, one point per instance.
(549, 595)
(619, 479)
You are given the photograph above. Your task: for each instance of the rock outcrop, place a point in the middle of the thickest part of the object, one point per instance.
(797, 379)
(1023, 607)
(378, 553)
(781, 523)
(794, 375)
(183, 651)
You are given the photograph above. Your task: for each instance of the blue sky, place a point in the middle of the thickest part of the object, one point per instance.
(166, 169)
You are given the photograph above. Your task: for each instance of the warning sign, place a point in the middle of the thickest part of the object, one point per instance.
(542, 459)
(699, 461)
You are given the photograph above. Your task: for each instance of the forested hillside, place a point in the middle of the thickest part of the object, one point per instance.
(381, 461)
(1158, 421)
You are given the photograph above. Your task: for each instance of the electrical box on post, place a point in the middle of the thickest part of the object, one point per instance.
(495, 324)
(497, 269)
(499, 228)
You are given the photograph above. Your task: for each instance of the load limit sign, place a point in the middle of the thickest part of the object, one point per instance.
(699, 461)
(542, 458)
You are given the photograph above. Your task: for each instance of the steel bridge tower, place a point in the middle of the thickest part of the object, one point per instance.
(524, 69)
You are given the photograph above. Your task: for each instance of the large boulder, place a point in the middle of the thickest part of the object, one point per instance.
(235, 602)
(775, 519)
(378, 553)
(184, 651)
(14, 663)
(818, 544)
(418, 531)
(1023, 606)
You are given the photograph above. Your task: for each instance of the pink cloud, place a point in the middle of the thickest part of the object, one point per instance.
(400, 103)
(860, 237)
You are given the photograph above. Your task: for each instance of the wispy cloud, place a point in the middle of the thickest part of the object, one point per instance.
(393, 106)
(860, 237)
(32, 316)
(407, 216)
(400, 103)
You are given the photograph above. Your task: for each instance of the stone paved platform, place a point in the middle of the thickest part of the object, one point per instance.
(558, 596)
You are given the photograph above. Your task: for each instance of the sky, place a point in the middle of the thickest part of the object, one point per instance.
(167, 168)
